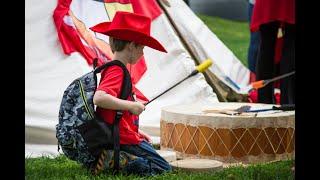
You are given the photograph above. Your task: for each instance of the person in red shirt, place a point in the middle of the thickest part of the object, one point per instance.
(274, 18)
(128, 34)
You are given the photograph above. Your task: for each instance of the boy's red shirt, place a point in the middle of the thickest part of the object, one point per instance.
(111, 81)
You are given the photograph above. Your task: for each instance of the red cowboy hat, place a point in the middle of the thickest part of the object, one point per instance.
(130, 27)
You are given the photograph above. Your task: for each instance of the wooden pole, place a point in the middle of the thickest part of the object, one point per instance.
(212, 80)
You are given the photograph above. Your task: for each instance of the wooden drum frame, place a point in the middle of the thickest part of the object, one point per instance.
(247, 138)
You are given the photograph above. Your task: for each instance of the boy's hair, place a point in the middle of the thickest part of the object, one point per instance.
(117, 44)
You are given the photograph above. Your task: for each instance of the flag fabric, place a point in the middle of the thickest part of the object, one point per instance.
(72, 26)
(68, 35)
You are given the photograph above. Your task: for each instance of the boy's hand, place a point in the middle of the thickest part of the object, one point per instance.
(136, 108)
(145, 136)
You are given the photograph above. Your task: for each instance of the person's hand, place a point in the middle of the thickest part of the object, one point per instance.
(136, 108)
(145, 136)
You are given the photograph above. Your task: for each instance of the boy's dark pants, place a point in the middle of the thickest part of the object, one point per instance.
(149, 162)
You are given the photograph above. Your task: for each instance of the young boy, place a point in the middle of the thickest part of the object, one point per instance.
(128, 34)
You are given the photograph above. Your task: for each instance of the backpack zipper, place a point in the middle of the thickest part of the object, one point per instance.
(85, 100)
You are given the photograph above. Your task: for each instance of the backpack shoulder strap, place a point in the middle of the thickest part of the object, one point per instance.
(126, 86)
(126, 90)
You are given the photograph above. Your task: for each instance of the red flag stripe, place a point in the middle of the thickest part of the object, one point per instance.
(148, 8)
(68, 36)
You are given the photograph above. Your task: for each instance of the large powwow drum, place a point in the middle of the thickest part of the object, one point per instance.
(217, 132)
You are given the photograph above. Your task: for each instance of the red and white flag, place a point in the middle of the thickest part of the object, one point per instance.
(73, 19)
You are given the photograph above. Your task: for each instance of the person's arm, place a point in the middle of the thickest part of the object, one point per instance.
(107, 101)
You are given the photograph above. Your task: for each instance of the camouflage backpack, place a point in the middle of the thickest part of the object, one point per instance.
(81, 134)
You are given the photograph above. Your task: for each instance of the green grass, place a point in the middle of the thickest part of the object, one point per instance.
(234, 34)
(61, 168)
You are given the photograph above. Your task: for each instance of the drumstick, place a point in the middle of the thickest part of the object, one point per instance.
(200, 68)
(263, 83)
(237, 111)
